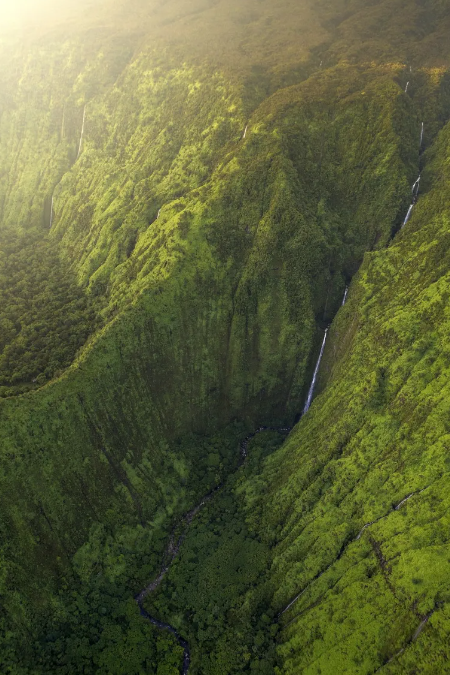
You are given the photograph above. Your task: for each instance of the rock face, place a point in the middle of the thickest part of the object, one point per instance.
(195, 267)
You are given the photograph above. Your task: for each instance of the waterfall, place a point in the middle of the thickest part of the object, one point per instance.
(421, 135)
(406, 88)
(344, 300)
(82, 132)
(158, 214)
(316, 372)
(415, 193)
(51, 215)
(245, 132)
(408, 215)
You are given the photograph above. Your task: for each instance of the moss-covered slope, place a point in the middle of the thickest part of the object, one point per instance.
(372, 453)
(211, 215)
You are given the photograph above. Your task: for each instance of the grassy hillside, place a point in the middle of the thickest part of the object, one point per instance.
(207, 209)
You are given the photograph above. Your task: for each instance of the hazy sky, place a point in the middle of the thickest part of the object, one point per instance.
(18, 13)
(12, 11)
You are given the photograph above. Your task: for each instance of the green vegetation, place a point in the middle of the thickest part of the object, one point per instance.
(44, 315)
(376, 436)
(380, 430)
(177, 303)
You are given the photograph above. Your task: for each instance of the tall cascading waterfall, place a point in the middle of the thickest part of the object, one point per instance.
(416, 186)
(309, 398)
(314, 380)
(406, 88)
(82, 132)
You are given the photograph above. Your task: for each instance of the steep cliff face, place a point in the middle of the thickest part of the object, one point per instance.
(365, 535)
(210, 215)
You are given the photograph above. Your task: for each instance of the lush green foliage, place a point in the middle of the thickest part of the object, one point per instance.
(211, 261)
(377, 435)
(89, 621)
(44, 315)
(223, 560)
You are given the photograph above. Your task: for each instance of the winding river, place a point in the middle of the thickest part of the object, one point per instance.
(173, 548)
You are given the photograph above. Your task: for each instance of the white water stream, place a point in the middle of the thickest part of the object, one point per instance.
(316, 372)
(408, 215)
(415, 187)
(309, 398)
(344, 299)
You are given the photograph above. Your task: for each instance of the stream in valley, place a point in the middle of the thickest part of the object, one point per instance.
(173, 548)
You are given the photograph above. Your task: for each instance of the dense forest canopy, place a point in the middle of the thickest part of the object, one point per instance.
(189, 190)
(44, 316)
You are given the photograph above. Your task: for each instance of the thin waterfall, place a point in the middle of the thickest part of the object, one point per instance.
(51, 215)
(344, 299)
(408, 215)
(316, 372)
(245, 132)
(406, 88)
(416, 186)
(82, 132)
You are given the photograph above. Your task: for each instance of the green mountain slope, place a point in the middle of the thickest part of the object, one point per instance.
(195, 215)
(345, 526)
(381, 429)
